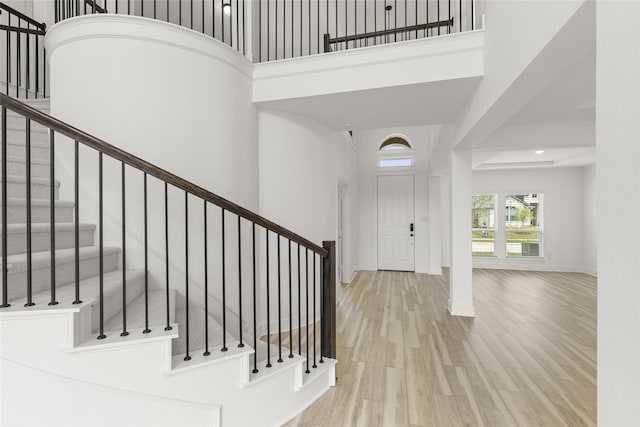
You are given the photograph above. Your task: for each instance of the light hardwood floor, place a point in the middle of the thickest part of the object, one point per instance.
(527, 358)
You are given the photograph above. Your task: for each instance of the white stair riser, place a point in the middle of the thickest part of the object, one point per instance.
(39, 214)
(65, 273)
(17, 149)
(18, 167)
(39, 190)
(41, 240)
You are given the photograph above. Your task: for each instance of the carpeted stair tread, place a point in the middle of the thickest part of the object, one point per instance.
(90, 288)
(18, 263)
(136, 312)
(196, 331)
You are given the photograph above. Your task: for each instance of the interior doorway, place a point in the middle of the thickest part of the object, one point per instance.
(396, 246)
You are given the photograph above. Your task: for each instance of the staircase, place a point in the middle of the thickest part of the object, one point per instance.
(54, 348)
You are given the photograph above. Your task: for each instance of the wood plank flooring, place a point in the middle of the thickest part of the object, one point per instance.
(527, 359)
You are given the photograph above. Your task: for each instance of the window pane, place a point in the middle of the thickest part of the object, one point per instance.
(390, 163)
(522, 211)
(523, 243)
(483, 242)
(482, 211)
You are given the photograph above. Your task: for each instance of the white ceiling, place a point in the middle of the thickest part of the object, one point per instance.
(387, 107)
(559, 120)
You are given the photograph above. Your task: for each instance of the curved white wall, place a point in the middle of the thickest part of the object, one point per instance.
(175, 98)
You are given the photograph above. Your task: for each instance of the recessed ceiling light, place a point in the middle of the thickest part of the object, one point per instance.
(539, 151)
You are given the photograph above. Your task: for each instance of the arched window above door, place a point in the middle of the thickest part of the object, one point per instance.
(395, 152)
(395, 143)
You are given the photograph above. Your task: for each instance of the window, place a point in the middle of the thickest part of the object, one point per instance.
(394, 163)
(395, 152)
(523, 225)
(483, 232)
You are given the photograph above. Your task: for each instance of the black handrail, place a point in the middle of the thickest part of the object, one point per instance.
(328, 41)
(40, 25)
(155, 171)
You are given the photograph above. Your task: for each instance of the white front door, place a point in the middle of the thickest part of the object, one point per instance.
(395, 223)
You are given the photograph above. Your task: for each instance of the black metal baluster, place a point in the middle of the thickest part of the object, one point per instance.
(8, 64)
(268, 30)
(276, 36)
(28, 201)
(416, 20)
(284, 28)
(37, 57)
(5, 270)
(395, 19)
(301, 27)
(460, 15)
(309, 26)
(426, 34)
(322, 342)
(27, 70)
(101, 246)
(355, 21)
(18, 58)
(202, 17)
(346, 23)
(375, 20)
(318, 24)
(299, 306)
(448, 18)
(154, 8)
(268, 304)
(191, 15)
(222, 21)
(438, 11)
(306, 298)
(255, 321)
(44, 72)
(166, 252)
(230, 23)
(260, 31)
(146, 261)
(124, 254)
(244, 29)
(77, 220)
(206, 285)
(52, 206)
(279, 306)
(365, 21)
(473, 24)
(290, 305)
(241, 344)
(292, 27)
(313, 256)
(224, 289)
(187, 357)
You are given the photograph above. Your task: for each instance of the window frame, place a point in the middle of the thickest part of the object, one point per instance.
(493, 230)
(539, 227)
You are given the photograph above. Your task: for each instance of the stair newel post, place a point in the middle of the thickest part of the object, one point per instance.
(279, 307)
(101, 248)
(255, 320)
(5, 270)
(124, 254)
(76, 213)
(241, 344)
(306, 300)
(328, 322)
(146, 260)
(186, 270)
(206, 286)
(224, 289)
(29, 221)
(268, 303)
(52, 205)
(166, 254)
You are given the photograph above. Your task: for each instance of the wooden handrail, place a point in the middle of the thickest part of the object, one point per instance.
(329, 41)
(41, 26)
(152, 170)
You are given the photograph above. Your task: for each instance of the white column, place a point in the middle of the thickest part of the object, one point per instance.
(435, 227)
(460, 280)
(618, 201)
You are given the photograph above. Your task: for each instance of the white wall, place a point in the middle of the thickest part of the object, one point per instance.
(368, 142)
(301, 162)
(562, 210)
(590, 225)
(139, 74)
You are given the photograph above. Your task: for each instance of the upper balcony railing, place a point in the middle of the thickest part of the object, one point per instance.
(267, 30)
